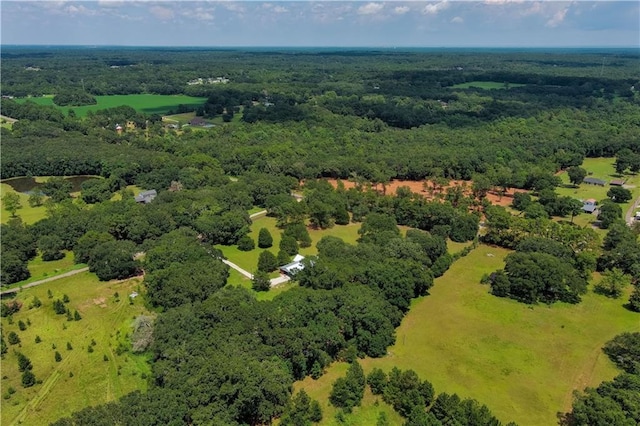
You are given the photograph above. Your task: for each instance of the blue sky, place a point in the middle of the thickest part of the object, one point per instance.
(448, 23)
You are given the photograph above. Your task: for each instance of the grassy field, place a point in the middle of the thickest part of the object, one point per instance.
(365, 415)
(249, 259)
(522, 361)
(600, 168)
(148, 104)
(487, 85)
(81, 378)
(27, 213)
(40, 269)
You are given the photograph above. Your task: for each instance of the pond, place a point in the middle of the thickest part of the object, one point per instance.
(27, 184)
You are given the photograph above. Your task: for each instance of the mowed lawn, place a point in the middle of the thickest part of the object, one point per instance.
(522, 361)
(81, 378)
(249, 259)
(146, 103)
(599, 168)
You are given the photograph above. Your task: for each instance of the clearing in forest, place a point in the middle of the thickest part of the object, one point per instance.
(522, 361)
(103, 373)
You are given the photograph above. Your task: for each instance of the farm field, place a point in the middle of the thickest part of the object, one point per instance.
(487, 85)
(599, 168)
(522, 361)
(105, 374)
(148, 104)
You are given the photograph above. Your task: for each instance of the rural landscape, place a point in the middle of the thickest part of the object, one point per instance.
(417, 237)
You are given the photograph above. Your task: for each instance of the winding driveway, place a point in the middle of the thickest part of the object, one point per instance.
(274, 281)
(46, 280)
(629, 217)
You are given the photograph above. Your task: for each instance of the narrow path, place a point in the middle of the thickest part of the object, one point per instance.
(46, 280)
(629, 216)
(257, 214)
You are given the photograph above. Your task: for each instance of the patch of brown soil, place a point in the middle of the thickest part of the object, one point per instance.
(426, 189)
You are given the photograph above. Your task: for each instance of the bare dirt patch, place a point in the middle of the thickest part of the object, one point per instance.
(430, 191)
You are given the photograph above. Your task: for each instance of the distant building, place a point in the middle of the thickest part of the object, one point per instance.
(617, 182)
(146, 197)
(590, 205)
(118, 128)
(198, 121)
(594, 181)
(294, 267)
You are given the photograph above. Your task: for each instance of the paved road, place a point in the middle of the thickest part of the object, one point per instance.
(46, 280)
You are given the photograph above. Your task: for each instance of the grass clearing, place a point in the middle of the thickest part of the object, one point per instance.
(104, 319)
(522, 361)
(148, 104)
(365, 415)
(28, 214)
(249, 259)
(600, 168)
(487, 85)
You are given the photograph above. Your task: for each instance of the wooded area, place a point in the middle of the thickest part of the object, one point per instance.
(220, 356)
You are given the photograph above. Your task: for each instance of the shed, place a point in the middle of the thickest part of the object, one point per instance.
(146, 196)
(594, 181)
(617, 182)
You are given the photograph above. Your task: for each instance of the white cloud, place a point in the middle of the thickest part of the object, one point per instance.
(280, 9)
(370, 9)
(457, 20)
(557, 18)
(110, 3)
(162, 13)
(435, 8)
(199, 13)
(401, 10)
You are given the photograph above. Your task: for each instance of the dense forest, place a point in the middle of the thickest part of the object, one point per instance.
(221, 357)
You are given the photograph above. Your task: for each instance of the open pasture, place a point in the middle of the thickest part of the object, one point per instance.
(81, 378)
(148, 104)
(522, 361)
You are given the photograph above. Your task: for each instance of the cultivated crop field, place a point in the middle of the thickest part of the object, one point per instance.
(522, 361)
(81, 378)
(148, 104)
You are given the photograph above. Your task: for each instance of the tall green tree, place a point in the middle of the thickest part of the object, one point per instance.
(576, 175)
(11, 202)
(265, 240)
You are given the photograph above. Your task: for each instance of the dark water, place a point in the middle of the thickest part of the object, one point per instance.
(28, 184)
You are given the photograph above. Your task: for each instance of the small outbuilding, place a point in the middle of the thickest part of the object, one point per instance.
(146, 197)
(617, 182)
(594, 181)
(590, 205)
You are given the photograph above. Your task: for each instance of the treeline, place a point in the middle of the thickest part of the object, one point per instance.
(612, 402)
(554, 261)
(217, 211)
(107, 71)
